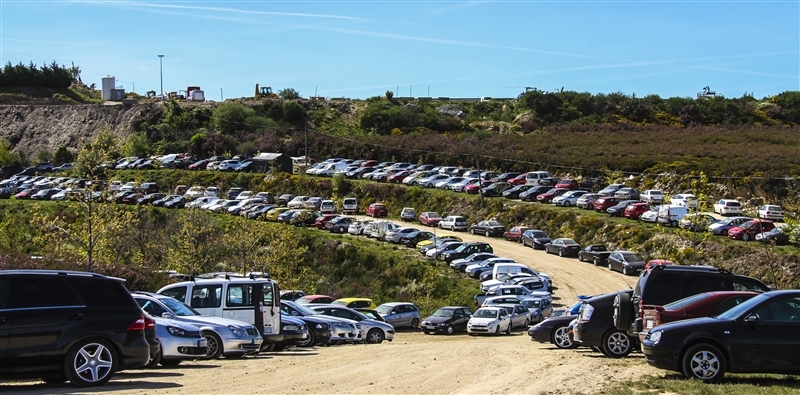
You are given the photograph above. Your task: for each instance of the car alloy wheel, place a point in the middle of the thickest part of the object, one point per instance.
(487, 233)
(213, 345)
(610, 267)
(375, 336)
(449, 329)
(704, 362)
(617, 344)
(561, 253)
(508, 330)
(415, 323)
(745, 237)
(310, 340)
(560, 337)
(472, 231)
(91, 362)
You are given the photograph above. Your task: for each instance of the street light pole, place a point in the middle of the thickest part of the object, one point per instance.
(161, 70)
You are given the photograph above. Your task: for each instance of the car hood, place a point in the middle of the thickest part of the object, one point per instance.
(438, 320)
(178, 324)
(213, 321)
(482, 321)
(693, 325)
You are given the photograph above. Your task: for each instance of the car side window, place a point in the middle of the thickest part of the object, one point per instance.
(664, 288)
(207, 296)
(728, 304)
(5, 293)
(42, 292)
(151, 307)
(704, 283)
(781, 311)
(176, 293)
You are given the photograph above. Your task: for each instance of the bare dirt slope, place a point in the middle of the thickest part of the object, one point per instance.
(413, 363)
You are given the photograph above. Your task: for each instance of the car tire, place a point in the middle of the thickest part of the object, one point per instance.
(560, 337)
(375, 336)
(745, 237)
(341, 229)
(426, 332)
(487, 234)
(154, 361)
(561, 253)
(90, 363)
(623, 311)
(497, 330)
(596, 261)
(310, 340)
(472, 231)
(415, 323)
(508, 330)
(171, 362)
(566, 203)
(610, 267)
(450, 330)
(527, 322)
(673, 224)
(213, 345)
(617, 344)
(704, 362)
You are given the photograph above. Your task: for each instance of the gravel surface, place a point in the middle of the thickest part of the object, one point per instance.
(413, 363)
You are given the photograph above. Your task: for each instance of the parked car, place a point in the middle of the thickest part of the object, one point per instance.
(514, 192)
(400, 314)
(671, 215)
(748, 230)
(515, 233)
(462, 263)
(604, 203)
(373, 331)
(771, 212)
(722, 226)
(430, 218)
(464, 250)
(539, 308)
(652, 196)
(777, 236)
(728, 207)
(447, 320)
(586, 201)
(489, 320)
(410, 240)
(453, 222)
(535, 238)
(322, 329)
(610, 190)
(76, 326)
(651, 215)
(495, 189)
(315, 299)
(759, 335)
(327, 206)
(377, 210)
(595, 327)
(706, 304)
(595, 253)
(635, 210)
(554, 329)
(625, 262)
(563, 247)
(548, 196)
(350, 205)
(618, 210)
(487, 228)
(356, 303)
(568, 183)
(519, 314)
(696, 222)
(569, 198)
(531, 194)
(178, 341)
(339, 224)
(408, 214)
(684, 199)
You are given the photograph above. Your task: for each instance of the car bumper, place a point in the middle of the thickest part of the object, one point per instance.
(181, 348)
(661, 358)
(540, 334)
(347, 335)
(434, 328)
(294, 337)
(587, 338)
(240, 346)
(135, 354)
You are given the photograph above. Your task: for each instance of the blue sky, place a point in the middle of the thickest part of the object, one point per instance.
(360, 49)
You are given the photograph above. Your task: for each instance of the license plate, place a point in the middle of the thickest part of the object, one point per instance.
(201, 343)
(649, 325)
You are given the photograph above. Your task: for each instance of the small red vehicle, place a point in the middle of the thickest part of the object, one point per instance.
(377, 210)
(634, 211)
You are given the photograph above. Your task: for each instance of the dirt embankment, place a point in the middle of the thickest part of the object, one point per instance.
(34, 128)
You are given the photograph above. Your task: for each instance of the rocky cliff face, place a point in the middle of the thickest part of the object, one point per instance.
(33, 128)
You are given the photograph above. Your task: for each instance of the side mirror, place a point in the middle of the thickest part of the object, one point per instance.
(168, 316)
(753, 319)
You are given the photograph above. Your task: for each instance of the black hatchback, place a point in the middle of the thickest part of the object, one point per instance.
(63, 325)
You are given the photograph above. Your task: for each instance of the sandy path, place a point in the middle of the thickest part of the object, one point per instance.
(413, 363)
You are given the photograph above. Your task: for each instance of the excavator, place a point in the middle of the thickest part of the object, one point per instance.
(265, 91)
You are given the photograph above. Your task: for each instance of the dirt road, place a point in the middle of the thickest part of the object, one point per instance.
(413, 363)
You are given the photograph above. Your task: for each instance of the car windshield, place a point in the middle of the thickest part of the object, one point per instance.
(302, 309)
(679, 304)
(486, 313)
(631, 258)
(384, 309)
(531, 303)
(493, 223)
(446, 313)
(569, 242)
(180, 309)
(539, 235)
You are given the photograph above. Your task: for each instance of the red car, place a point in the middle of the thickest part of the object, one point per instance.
(315, 299)
(472, 189)
(323, 219)
(568, 183)
(398, 177)
(377, 210)
(748, 230)
(518, 180)
(706, 304)
(199, 165)
(430, 218)
(369, 163)
(654, 262)
(515, 233)
(548, 196)
(634, 211)
(603, 204)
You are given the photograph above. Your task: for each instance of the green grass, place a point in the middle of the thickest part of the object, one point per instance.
(732, 384)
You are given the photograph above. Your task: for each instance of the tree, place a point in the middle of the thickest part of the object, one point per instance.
(194, 243)
(288, 94)
(63, 155)
(91, 158)
(138, 145)
(294, 112)
(7, 156)
(231, 116)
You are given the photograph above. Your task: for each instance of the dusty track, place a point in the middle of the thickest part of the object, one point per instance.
(413, 363)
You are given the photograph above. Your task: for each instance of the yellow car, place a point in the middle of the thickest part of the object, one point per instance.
(437, 238)
(272, 215)
(356, 303)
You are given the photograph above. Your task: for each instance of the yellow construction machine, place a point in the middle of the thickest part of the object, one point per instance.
(265, 91)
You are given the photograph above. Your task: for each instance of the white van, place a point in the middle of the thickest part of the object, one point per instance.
(671, 215)
(381, 228)
(512, 268)
(536, 177)
(350, 205)
(330, 169)
(231, 297)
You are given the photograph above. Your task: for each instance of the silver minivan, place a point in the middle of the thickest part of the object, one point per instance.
(671, 215)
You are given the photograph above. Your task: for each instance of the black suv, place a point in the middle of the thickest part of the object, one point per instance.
(664, 284)
(465, 251)
(63, 325)
(595, 327)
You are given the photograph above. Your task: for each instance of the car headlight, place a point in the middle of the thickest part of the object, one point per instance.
(321, 326)
(175, 331)
(290, 328)
(655, 337)
(238, 332)
(442, 324)
(491, 323)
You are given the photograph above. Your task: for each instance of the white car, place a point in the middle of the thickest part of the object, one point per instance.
(357, 227)
(652, 196)
(519, 314)
(650, 215)
(394, 235)
(297, 202)
(728, 207)
(200, 202)
(228, 165)
(569, 198)
(195, 192)
(769, 211)
(244, 195)
(211, 192)
(684, 199)
(491, 320)
(454, 222)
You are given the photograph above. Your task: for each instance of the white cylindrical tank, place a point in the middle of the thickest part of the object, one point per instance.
(109, 84)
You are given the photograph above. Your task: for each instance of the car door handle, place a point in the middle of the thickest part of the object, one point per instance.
(76, 317)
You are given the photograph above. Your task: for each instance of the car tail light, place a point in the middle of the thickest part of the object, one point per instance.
(149, 322)
(138, 325)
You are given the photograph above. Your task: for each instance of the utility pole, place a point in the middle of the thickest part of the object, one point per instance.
(161, 70)
(220, 94)
(306, 151)
(480, 181)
